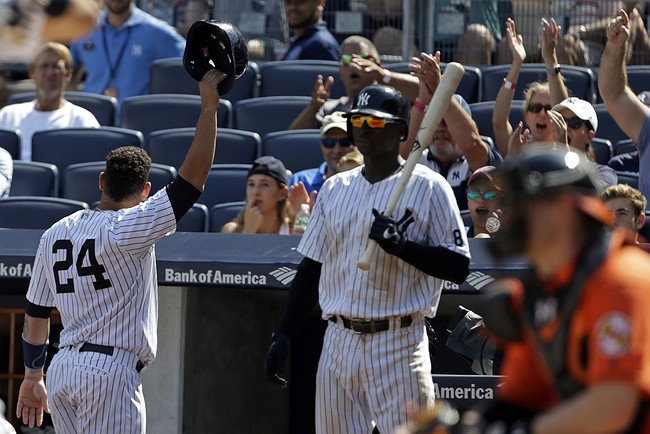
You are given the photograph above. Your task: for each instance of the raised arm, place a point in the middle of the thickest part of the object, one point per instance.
(198, 161)
(307, 118)
(503, 103)
(626, 109)
(550, 37)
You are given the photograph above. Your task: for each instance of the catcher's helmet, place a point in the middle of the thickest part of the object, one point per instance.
(380, 101)
(215, 45)
(540, 172)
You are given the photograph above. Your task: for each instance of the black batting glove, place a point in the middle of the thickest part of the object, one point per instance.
(390, 234)
(276, 358)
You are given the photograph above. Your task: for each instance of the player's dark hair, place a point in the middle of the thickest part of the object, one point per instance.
(127, 172)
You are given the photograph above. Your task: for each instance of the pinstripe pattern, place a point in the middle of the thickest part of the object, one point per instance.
(116, 306)
(372, 377)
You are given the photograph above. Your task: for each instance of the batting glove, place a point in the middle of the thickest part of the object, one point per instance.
(388, 233)
(276, 358)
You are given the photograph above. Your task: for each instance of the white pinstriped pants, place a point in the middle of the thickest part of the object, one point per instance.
(372, 377)
(91, 393)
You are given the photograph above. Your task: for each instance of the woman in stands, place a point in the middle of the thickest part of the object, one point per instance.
(267, 209)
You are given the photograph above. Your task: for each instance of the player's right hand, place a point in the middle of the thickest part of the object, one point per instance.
(32, 402)
(276, 358)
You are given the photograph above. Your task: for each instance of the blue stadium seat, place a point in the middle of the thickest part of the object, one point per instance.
(81, 181)
(147, 113)
(631, 179)
(23, 212)
(602, 149)
(222, 213)
(624, 146)
(482, 115)
(102, 106)
(267, 114)
(233, 146)
(32, 178)
(297, 149)
(10, 142)
(638, 77)
(297, 77)
(169, 76)
(579, 80)
(195, 220)
(225, 183)
(607, 126)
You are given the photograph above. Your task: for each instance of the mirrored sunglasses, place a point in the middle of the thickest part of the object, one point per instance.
(489, 196)
(345, 59)
(371, 121)
(537, 107)
(574, 123)
(330, 143)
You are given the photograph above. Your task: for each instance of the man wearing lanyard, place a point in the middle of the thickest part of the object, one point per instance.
(117, 55)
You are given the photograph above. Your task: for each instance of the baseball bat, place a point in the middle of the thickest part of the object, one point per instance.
(439, 103)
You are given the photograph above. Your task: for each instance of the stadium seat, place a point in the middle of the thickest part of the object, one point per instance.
(169, 76)
(297, 77)
(297, 149)
(81, 181)
(233, 146)
(225, 183)
(607, 126)
(638, 77)
(624, 146)
(579, 80)
(469, 87)
(32, 178)
(10, 142)
(23, 212)
(222, 213)
(102, 106)
(482, 115)
(195, 220)
(147, 113)
(602, 149)
(80, 145)
(267, 114)
(631, 179)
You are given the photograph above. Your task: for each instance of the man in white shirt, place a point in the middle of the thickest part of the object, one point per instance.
(51, 71)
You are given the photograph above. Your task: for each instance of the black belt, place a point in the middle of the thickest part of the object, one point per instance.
(103, 349)
(371, 326)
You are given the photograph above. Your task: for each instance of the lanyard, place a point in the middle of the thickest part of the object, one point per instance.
(114, 67)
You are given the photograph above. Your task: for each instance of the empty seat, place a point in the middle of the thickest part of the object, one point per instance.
(195, 219)
(602, 149)
(300, 75)
(579, 80)
(607, 126)
(81, 181)
(222, 213)
(297, 149)
(10, 142)
(225, 183)
(169, 76)
(233, 146)
(631, 179)
(264, 115)
(624, 146)
(638, 77)
(80, 145)
(104, 107)
(482, 115)
(147, 113)
(22, 212)
(31, 178)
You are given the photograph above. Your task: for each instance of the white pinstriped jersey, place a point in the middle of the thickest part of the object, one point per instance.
(337, 237)
(98, 268)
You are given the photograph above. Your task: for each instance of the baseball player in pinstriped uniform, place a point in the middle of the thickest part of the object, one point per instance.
(97, 267)
(375, 357)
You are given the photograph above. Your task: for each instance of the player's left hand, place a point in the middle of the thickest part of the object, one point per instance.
(388, 233)
(32, 401)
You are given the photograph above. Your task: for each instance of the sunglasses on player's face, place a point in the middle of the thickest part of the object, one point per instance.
(330, 143)
(536, 107)
(574, 123)
(371, 121)
(345, 59)
(474, 195)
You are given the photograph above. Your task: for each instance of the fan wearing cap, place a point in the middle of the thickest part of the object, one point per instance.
(456, 148)
(266, 209)
(483, 199)
(575, 329)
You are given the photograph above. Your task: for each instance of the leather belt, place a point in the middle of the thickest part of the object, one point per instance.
(370, 326)
(103, 349)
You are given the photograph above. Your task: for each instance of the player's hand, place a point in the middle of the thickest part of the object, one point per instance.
(390, 234)
(208, 88)
(32, 401)
(276, 358)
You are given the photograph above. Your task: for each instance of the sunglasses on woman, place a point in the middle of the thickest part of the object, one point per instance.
(488, 196)
(330, 143)
(537, 107)
(345, 59)
(371, 121)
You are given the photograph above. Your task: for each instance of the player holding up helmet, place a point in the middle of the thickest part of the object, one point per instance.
(576, 330)
(375, 357)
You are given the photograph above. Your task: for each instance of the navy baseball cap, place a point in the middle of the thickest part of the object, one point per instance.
(272, 167)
